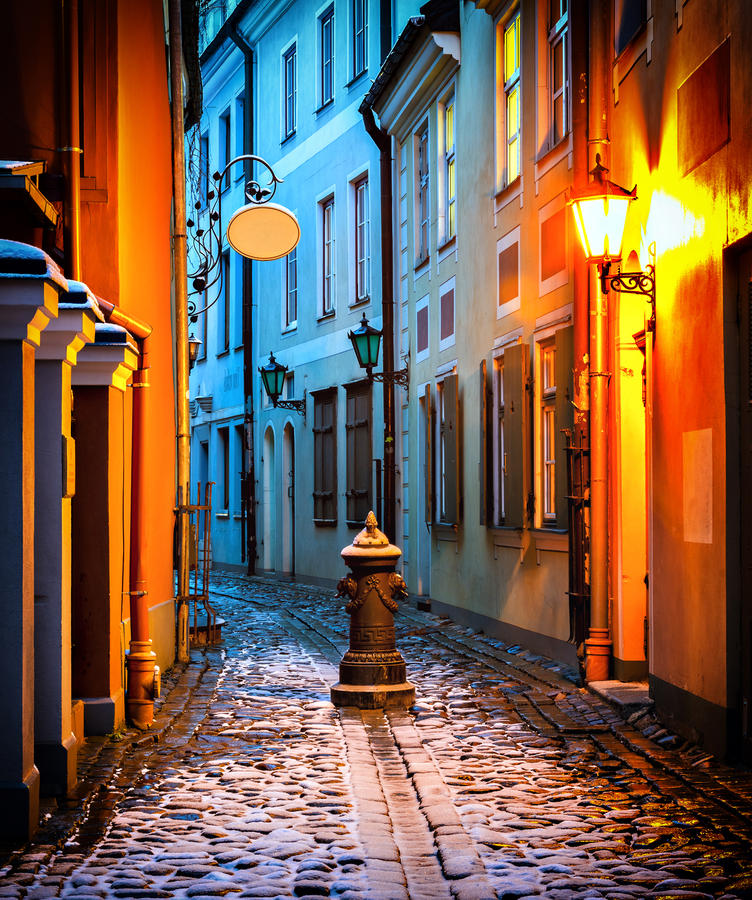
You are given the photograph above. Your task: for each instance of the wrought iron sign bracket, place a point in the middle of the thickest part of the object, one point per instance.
(299, 406)
(642, 283)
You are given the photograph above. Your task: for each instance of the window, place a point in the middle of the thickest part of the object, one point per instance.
(358, 436)
(500, 455)
(421, 188)
(327, 256)
(449, 171)
(362, 241)
(326, 38)
(203, 326)
(508, 261)
(421, 329)
(511, 113)
(291, 289)
(203, 162)
(553, 393)
(360, 36)
(325, 458)
(446, 314)
(290, 74)
(225, 145)
(224, 328)
(559, 69)
(630, 17)
(447, 445)
(223, 435)
(240, 130)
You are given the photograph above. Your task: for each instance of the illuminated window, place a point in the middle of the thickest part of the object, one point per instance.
(326, 38)
(289, 70)
(558, 39)
(224, 343)
(421, 189)
(362, 241)
(449, 170)
(512, 96)
(359, 36)
(327, 255)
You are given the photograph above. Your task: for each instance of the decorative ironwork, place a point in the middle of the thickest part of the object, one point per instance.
(642, 283)
(206, 243)
(298, 405)
(400, 377)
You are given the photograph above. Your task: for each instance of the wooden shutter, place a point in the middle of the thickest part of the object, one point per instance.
(325, 458)
(563, 363)
(428, 462)
(485, 451)
(451, 450)
(358, 432)
(515, 425)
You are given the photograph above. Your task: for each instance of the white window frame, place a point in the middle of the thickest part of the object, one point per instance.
(447, 174)
(204, 168)
(360, 188)
(327, 256)
(355, 6)
(421, 304)
(558, 32)
(288, 323)
(239, 133)
(509, 239)
(326, 13)
(289, 92)
(449, 285)
(224, 145)
(504, 89)
(422, 188)
(560, 278)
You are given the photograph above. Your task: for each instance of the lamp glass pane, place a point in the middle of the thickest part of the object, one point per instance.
(600, 222)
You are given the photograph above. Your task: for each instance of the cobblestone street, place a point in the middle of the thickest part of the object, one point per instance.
(505, 780)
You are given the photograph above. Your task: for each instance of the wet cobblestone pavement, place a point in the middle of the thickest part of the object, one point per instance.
(505, 780)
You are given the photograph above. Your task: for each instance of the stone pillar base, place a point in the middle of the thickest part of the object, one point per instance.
(597, 655)
(103, 715)
(373, 696)
(57, 766)
(20, 805)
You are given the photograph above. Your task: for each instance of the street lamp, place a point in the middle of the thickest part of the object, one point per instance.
(366, 340)
(273, 378)
(194, 344)
(600, 213)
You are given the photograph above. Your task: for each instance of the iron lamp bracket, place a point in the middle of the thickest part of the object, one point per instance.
(642, 283)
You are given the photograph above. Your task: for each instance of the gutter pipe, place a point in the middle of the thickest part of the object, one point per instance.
(248, 488)
(143, 673)
(73, 150)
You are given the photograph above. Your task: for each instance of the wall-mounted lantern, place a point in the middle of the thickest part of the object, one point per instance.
(273, 378)
(366, 341)
(194, 345)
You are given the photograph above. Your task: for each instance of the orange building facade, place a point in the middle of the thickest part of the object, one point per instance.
(109, 264)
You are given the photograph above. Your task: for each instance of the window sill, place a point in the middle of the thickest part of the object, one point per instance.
(421, 265)
(363, 301)
(507, 536)
(223, 514)
(237, 348)
(324, 107)
(551, 538)
(507, 194)
(289, 329)
(325, 523)
(552, 156)
(356, 78)
(327, 315)
(224, 352)
(445, 531)
(446, 246)
(287, 138)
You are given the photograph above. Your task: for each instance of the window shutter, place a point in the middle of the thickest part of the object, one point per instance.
(358, 431)
(563, 363)
(485, 453)
(451, 450)
(428, 473)
(325, 459)
(515, 423)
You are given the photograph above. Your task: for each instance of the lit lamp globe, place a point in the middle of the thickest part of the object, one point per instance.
(273, 378)
(600, 213)
(263, 231)
(365, 340)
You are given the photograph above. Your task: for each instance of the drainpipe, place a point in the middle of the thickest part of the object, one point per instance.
(383, 142)
(180, 275)
(73, 150)
(143, 674)
(249, 488)
(598, 643)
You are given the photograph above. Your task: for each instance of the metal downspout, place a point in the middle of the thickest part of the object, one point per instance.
(598, 643)
(73, 150)
(383, 142)
(180, 274)
(141, 659)
(249, 489)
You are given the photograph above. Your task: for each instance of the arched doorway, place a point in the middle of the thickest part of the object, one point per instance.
(288, 500)
(269, 498)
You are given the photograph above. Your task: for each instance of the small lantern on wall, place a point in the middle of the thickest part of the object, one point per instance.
(366, 341)
(273, 378)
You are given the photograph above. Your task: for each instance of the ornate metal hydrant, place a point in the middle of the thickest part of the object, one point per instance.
(372, 672)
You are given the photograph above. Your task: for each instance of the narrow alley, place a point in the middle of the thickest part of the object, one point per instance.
(505, 780)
